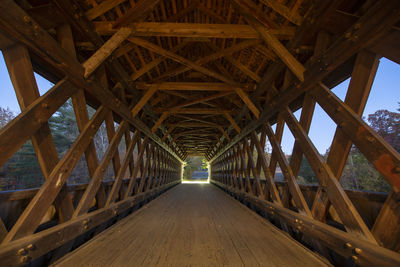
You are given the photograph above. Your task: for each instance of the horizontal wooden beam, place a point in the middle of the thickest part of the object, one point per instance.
(192, 111)
(193, 30)
(193, 124)
(192, 86)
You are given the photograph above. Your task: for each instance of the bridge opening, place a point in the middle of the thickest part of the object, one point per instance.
(196, 170)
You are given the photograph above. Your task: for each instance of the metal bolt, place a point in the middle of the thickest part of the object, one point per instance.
(25, 259)
(22, 251)
(31, 247)
(348, 245)
(357, 251)
(354, 258)
(296, 220)
(370, 139)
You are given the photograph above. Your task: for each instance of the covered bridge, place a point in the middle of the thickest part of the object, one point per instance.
(178, 78)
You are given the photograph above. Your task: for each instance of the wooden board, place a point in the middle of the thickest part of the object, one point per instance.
(192, 225)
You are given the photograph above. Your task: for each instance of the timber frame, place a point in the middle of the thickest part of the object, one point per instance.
(207, 77)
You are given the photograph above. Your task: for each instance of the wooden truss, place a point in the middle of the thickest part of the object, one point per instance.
(183, 78)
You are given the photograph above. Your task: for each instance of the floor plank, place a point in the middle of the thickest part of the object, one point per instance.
(192, 225)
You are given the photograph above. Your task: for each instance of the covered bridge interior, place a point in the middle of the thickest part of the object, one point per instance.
(172, 79)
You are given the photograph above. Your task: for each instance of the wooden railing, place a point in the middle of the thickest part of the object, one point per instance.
(12, 203)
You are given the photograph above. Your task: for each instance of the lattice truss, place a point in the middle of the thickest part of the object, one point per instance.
(200, 77)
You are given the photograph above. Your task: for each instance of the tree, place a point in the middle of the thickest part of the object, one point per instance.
(306, 174)
(63, 127)
(387, 125)
(359, 173)
(6, 115)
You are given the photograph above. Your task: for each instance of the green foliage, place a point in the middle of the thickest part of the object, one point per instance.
(193, 164)
(23, 168)
(204, 164)
(63, 127)
(306, 173)
(360, 174)
(387, 125)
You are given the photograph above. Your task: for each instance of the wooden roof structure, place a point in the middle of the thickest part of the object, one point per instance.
(201, 77)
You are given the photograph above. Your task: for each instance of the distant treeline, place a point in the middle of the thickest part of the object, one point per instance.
(23, 171)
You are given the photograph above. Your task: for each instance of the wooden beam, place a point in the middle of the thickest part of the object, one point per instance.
(356, 98)
(202, 99)
(95, 182)
(145, 98)
(373, 24)
(139, 11)
(191, 86)
(283, 11)
(232, 121)
(212, 57)
(384, 157)
(43, 45)
(104, 6)
(22, 76)
(193, 30)
(159, 121)
(159, 50)
(105, 51)
(193, 111)
(146, 68)
(344, 207)
(248, 102)
(236, 63)
(169, 131)
(280, 50)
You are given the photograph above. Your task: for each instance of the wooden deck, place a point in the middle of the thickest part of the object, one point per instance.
(192, 225)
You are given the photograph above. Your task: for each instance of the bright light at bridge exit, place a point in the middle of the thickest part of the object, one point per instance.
(195, 170)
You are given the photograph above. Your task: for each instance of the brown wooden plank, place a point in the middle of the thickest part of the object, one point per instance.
(139, 11)
(105, 51)
(192, 30)
(171, 222)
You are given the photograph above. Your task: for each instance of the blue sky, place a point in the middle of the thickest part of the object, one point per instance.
(385, 94)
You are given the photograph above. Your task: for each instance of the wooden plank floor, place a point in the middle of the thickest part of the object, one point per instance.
(192, 225)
